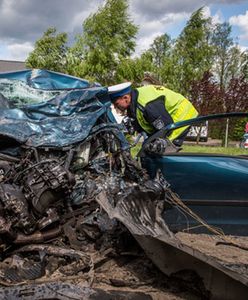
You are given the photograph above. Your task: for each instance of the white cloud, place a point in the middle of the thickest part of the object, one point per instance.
(18, 51)
(243, 48)
(26, 20)
(150, 29)
(242, 22)
(216, 18)
(144, 43)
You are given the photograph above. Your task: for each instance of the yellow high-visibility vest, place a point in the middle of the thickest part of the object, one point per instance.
(177, 106)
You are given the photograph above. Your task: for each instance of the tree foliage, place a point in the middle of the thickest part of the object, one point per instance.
(238, 129)
(134, 69)
(193, 53)
(244, 64)
(108, 38)
(49, 51)
(160, 51)
(180, 62)
(210, 98)
(206, 95)
(236, 95)
(222, 42)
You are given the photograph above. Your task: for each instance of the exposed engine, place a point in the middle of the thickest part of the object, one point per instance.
(41, 189)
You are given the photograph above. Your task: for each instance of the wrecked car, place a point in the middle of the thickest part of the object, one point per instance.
(60, 149)
(78, 213)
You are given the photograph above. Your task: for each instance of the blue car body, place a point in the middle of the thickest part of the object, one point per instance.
(213, 186)
(46, 80)
(50, 109)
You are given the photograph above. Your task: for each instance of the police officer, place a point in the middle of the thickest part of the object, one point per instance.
(152, 107)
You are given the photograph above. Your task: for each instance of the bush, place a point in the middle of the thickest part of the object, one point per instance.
(238, 129)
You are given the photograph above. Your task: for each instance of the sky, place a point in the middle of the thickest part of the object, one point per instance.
(22, 22)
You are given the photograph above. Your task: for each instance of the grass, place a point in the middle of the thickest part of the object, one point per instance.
(219, 150)
(203, 149)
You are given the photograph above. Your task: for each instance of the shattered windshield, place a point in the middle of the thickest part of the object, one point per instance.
(17, 93)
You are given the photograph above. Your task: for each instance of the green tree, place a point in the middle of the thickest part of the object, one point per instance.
(161, 51)
(244, 64)
(206, 95)
(134, 69)
(108, 38)
(75, 62)
(170, 72)
(192, 54)
(234, 67)
(49, 51)
(222, 42)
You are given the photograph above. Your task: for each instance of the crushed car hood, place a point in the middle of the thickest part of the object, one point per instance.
(65, 118)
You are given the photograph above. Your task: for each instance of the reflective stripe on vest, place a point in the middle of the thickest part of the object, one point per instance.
(177, 106)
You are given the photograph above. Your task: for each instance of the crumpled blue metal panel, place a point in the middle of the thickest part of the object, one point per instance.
(47, 80)
(66, 119)
(62, 121)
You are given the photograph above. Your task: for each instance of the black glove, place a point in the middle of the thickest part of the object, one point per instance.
(128, 123)
(161, 146)
(158, 146)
